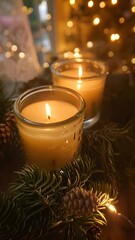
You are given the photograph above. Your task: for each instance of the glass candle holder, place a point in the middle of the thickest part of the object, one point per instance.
(50, 121)
(87, 77)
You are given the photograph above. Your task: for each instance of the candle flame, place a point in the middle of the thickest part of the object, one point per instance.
(80, 71)
(79, 82)
(48, 111)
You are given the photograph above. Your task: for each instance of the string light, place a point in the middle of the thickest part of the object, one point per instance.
(96, 21)
(22, 55)
(133, 60)
(76, 50)
(114, 2)
(90, 4)
(102, 4)
(121, 20)
(133, 9)
(48, 16)
(110, 54)
(72, 2)
(14, 48)
(114, 37)
(49, 28)
(70, 24)
(89, 44)
(46, 65)
(114, 210)
(124, 68)
(133, 29)
(8, 54)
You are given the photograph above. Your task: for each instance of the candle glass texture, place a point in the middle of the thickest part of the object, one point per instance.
(51, 139)
(87, 77)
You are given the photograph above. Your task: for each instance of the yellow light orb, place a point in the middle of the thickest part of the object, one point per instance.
(133, 29)
(89, 44)
(124, 68)
(72, 2)
(114, 2)
(48, 16)
(110, 54)
(76, 50)
(7, 54)
(133, 9)
(14, 48)
(114, 37)
(96, 21)
(133, 60)
(121, 20)
(49, 28)
(46, 65)
(70, 24)
(102, 4)
(22, 55)
(90, 4)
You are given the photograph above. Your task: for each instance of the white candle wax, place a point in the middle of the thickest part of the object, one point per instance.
(91, 88)
(50, 146)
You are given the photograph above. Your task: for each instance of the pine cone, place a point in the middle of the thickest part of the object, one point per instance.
(7, 127)
(80, 202)
(93, 232)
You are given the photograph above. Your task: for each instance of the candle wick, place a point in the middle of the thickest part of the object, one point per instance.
(49, 117)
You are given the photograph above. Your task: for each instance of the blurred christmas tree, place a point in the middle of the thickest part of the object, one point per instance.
(105, 28)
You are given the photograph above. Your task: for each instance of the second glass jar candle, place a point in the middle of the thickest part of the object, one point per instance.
(87, 77)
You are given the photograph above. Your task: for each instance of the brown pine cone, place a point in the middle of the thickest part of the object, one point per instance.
(80, 202)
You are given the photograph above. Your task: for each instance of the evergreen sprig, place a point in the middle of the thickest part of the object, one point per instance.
(36, 201)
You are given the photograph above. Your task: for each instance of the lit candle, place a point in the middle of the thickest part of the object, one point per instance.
(50, 123)
(85, 76)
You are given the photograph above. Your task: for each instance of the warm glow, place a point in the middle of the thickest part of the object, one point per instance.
(48, 110)
(46, 65)
(80, 72)
(48, 16)
(121, 20)
(114, 2)
(133, 29)
(96, 21)
(133, 60)
(124, 68)
(70, 24)
(90, 4)
(89, 44)
(49, 28)
(114, 37)
(14, 48)
(77, 55)
(133, 9)
(72, 2)
(102, 4)
(111, 207)
(77, 50)
(21, 55)
(7, 54)
(110, 54)
(79, 82)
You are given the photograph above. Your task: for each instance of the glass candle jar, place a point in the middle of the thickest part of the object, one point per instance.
(87, 77)
(50, 121)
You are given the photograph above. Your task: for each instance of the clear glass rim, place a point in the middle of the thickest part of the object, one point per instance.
(29, 92)
(61, 62)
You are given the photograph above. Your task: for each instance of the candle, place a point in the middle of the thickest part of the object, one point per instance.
(85, 76)
(50, 123)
